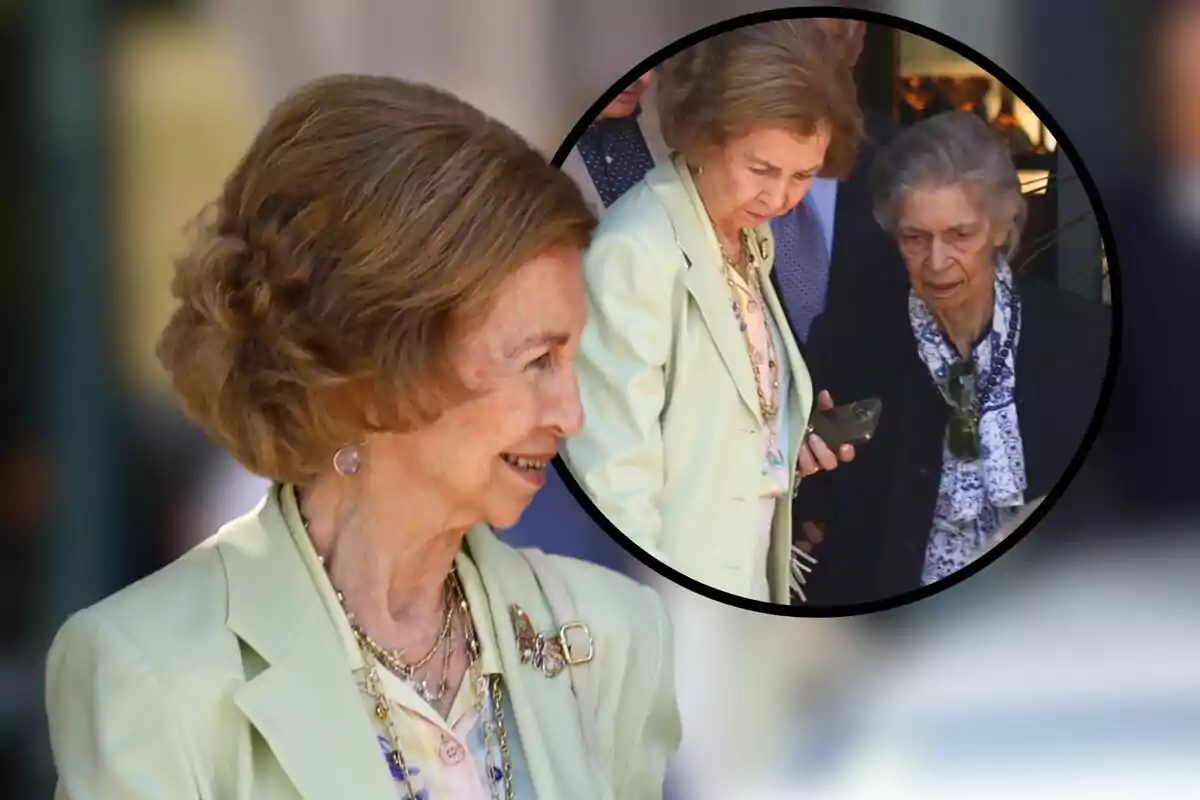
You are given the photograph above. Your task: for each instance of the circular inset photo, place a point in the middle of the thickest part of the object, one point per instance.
(850, 326)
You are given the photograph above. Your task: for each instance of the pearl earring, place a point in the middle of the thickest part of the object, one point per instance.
(347, 461)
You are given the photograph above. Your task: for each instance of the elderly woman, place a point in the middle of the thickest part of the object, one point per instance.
(382, 317)
(697, 397)
(988, 379)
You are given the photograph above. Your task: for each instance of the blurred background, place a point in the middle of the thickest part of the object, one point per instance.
(1070, 668)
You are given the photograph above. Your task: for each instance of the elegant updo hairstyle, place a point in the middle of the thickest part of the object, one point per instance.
(367, 228)
(786, 75)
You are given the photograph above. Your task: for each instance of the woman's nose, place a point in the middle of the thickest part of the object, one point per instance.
(773, 197)
(567, 408)
(939, 256)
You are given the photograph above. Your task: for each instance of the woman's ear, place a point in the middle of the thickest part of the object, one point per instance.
(1005, 223)
(703, 156)
(1001, 231)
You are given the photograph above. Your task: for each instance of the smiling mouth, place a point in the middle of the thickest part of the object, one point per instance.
(523, 462)
(531, 469)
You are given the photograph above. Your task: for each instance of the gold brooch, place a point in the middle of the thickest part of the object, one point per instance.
(549, 652)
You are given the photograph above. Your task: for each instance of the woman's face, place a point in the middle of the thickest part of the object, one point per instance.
(948, 244)
(483, 459)
(762, 174)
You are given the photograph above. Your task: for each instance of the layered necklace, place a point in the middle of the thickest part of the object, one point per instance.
(768, 406)
(485, 688)
(752, 288)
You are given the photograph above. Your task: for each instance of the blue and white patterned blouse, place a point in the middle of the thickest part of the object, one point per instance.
(975, 497)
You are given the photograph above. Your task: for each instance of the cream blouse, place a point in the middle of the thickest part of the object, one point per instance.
(761, 324)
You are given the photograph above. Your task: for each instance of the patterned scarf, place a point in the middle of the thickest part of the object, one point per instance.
(971, 491)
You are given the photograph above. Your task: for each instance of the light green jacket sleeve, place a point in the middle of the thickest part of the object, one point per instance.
(624, 355)
(651, 716)
(638, 721)
(112, 729)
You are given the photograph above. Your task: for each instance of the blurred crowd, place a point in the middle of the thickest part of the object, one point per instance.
(1027, 680)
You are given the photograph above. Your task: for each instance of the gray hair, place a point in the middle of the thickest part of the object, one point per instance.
(953, 148)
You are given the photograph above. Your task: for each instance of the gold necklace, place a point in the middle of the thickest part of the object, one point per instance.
(394, 659)
(499, 777)
(769, 408)
(488, 687)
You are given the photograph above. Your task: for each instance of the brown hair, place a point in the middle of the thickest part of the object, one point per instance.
(786, 74)
(369, 222)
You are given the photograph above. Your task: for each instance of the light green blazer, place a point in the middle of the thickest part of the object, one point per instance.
(221, 677)
(673, 445)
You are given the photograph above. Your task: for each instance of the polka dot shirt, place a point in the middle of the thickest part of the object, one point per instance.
(616, 156)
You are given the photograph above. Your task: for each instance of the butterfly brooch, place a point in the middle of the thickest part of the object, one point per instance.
(548, 652)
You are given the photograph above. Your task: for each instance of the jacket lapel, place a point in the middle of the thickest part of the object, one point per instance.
(305, 703)
(547, 713)
(705, 278)
(798, 407)
(1040, 431)
(800, 398)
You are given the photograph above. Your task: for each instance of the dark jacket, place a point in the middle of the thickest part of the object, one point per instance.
(878, 509)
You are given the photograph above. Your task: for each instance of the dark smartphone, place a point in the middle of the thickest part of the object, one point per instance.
(853, 423)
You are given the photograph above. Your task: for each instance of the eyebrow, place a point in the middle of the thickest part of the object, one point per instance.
(913, 229)
(542, 339)
(769, 165)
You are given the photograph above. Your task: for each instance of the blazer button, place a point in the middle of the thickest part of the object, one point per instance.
(451, 752)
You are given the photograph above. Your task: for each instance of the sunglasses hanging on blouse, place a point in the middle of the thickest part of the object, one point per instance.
(966, 396)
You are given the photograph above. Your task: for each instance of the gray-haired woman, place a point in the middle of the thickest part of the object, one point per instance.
(988, 379)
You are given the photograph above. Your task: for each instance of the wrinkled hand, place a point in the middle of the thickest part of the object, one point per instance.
(815, 455)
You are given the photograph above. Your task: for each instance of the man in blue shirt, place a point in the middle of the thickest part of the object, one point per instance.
(829, 246)
(619, 147)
